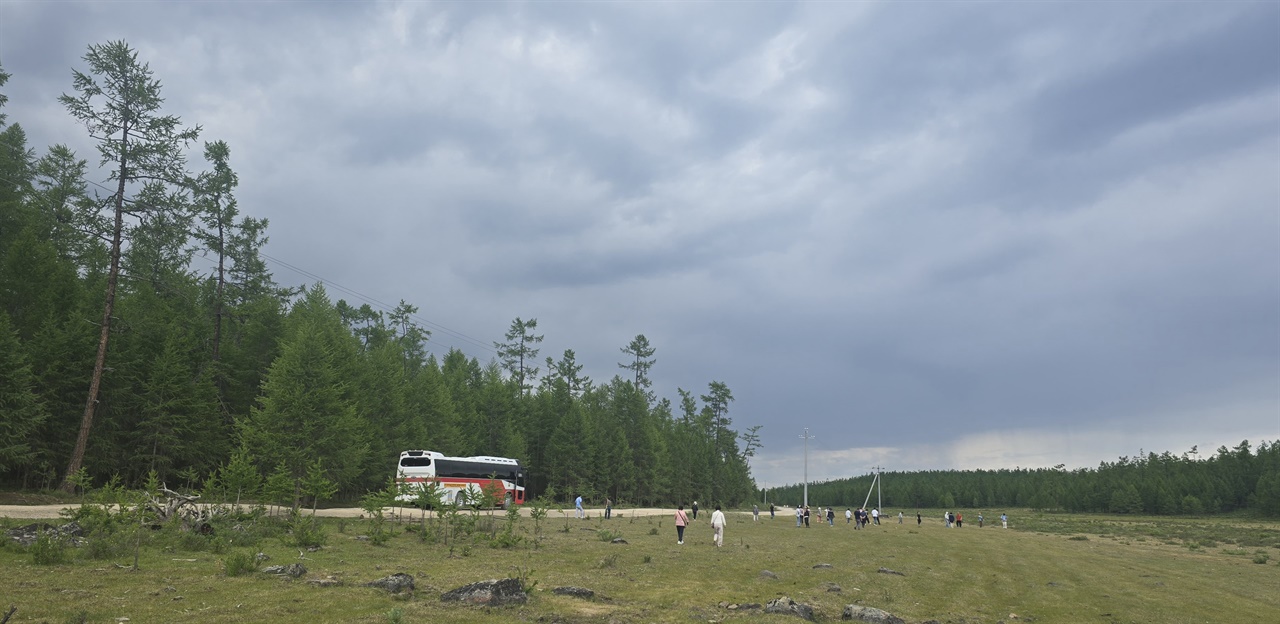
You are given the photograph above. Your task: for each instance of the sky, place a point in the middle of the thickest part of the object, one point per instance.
(935, 235)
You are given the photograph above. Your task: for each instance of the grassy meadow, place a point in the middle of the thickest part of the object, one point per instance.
(1045, 568)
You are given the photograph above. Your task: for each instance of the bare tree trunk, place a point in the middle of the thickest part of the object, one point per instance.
(99, 363)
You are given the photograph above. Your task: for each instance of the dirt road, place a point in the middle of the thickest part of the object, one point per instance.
(49, 512)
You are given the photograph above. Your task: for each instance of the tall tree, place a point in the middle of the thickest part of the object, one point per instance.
(641, 361)
(119, 102)
(519, 353)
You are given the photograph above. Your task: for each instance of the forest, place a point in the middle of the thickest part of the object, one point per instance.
(142, 335)
(1232, 479)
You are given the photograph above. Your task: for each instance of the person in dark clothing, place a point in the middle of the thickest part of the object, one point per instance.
(694, 509)
(806, 517)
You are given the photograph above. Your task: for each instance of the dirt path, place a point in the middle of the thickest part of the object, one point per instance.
(49, 512)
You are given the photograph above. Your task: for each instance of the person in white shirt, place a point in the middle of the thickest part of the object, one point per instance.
(848, 516)
(875, 516)
(717, 525)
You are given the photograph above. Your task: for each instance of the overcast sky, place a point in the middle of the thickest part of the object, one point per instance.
(937, 234)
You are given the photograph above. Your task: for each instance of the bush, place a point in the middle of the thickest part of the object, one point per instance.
(50, 548)
(306, 532)
(238, 563)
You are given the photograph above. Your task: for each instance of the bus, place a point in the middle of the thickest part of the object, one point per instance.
(453, 475)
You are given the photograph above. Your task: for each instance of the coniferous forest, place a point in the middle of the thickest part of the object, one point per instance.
(1232, 479)
(141, 331)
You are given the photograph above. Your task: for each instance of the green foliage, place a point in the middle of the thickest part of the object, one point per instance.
(50, 548)
(239, 563)
(305, 532)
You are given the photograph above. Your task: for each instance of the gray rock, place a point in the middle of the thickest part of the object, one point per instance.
(576, 592)
(768, 574)
(832, 587)
(871, 615)
(823, 566)
(491, 592)
(618, 540)
(888, 571)
(293, 570)
(395, 583)
(787, 606)
(325, 582)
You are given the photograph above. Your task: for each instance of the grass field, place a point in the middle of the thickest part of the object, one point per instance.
(1045, 568)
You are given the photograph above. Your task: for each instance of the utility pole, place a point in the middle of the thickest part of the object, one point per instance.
(806, 437)
(879, 504)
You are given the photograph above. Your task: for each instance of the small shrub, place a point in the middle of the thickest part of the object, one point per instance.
(49, 549)
(609, 562)
(1261, 558)
(648, 559)
(395, 616)
(1078, 538)
(305, 532)
(238, 563)
(605, 535)
(653, 531)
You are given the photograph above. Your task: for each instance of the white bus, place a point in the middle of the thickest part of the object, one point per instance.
(452, 475)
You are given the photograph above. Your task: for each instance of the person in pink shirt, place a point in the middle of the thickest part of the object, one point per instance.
(682, 521)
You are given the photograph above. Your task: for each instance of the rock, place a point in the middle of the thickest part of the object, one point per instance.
(576, 592)
(823, 566)
(888, 571)
(395, 583)
(787, 606)
(750, 605)
(325, 582)
(293, 570)
(260, 557)
(768, 574)
(869, 614)
(492, 592)
(832, 588)
(617, 540)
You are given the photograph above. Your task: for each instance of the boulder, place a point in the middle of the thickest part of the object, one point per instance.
(871, 615)
(293, 570)
(617, 540)
(787, 606)
(767, 574)
(823, 566)
(576, 592)
(492, 592)
(395, 583)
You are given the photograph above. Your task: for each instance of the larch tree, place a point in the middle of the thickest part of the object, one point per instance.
(519, 353)
(119, 103)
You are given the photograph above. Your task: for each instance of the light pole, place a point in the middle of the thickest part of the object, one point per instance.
(806, 437)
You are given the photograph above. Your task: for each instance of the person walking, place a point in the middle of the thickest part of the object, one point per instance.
(919, 519)
(848, 515)
(1004, 521)
(755, 513)
(959, 520)
(831, 516)
(799, 516)
(899, 517)
(682, 521)
(608, 508)
(771, 516)
(694, 509)
(979, 521)
(806, 516)
(875, 516)
(717, 527)
(577, 508)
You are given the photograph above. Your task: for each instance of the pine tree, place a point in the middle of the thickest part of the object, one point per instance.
(140, 145)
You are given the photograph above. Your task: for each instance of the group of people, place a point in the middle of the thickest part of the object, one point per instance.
(717, 523)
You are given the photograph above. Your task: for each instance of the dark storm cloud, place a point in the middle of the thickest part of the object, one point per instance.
(937, 234)
(1238, 58)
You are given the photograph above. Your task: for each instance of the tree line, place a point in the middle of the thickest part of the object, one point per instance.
(141, 332)
(1232, 479)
